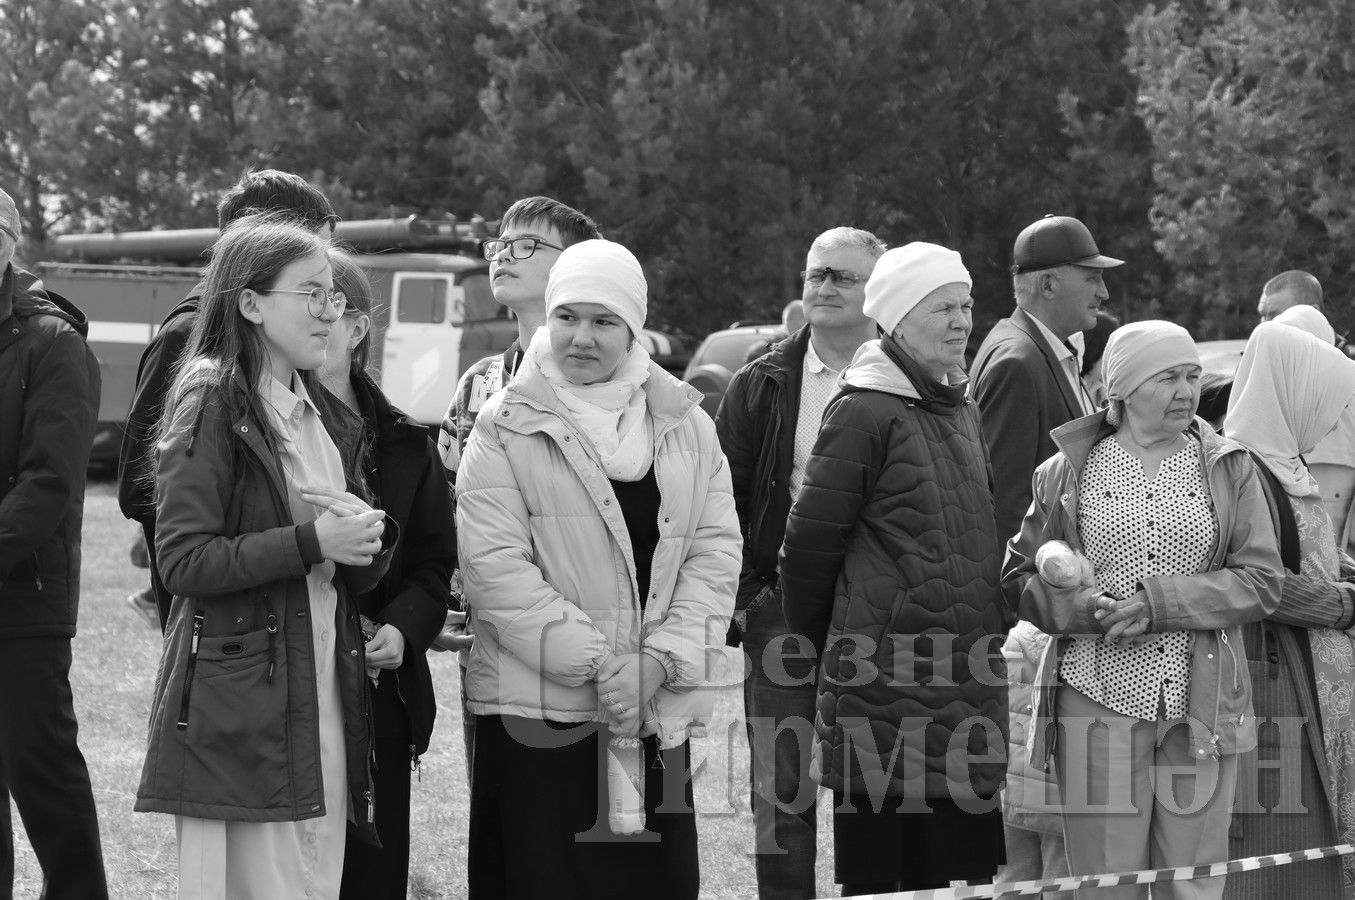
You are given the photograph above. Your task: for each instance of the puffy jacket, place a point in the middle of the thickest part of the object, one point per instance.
(1240, 584)
(890, 568)
(233, 729)
(547, 564)
(1031, 799)
(49, 403)
(407, 481)
(756, 424)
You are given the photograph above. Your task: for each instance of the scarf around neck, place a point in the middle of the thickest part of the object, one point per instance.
(611, 414)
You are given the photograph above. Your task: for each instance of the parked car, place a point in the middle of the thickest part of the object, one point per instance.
(722, 354)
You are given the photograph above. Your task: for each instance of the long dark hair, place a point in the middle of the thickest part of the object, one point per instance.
(224, 348)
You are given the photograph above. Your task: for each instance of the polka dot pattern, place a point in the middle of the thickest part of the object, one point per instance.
(1134, 528)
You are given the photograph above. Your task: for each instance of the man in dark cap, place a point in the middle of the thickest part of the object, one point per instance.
(49, 400)
(1027, 372)
(1027, 381)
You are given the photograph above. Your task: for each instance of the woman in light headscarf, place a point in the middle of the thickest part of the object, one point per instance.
(1332, 461)
(1291, 389)
(1146, 673)
(600, 551)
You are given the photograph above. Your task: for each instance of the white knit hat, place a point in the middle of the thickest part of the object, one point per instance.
(904, 276)
(601, 272)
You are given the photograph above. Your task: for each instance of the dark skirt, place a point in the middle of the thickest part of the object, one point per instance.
(538, 817)
(914, 850)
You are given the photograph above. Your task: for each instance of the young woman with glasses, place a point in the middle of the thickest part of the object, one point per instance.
(259, 735)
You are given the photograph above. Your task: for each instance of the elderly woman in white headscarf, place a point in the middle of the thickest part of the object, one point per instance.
(600, 551)
(890, 569)
(1291, 390)
(1147, 673)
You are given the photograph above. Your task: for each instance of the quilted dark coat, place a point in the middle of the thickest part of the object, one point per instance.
(890, 567)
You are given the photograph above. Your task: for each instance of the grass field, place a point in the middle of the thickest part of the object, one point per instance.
(115, 661)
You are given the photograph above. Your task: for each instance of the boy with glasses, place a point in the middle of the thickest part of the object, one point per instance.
(268, 190)
(532, 233)
(767, 425)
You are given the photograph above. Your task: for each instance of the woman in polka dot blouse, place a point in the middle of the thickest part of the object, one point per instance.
(1147, 680)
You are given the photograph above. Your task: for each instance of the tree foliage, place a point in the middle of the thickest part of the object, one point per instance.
(1203, 141)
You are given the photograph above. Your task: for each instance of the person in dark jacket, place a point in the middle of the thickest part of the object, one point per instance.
(1026, 375)
(49, 402)
(259, 735)
(267, 190)
(890, 568)
(768, 422)
(409, 604)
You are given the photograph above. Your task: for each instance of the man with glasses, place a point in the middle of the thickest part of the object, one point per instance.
(767, 423)
(532, 234)
(268, 190)
(49, 402)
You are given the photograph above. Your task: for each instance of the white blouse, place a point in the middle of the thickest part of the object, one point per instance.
(1134, 528)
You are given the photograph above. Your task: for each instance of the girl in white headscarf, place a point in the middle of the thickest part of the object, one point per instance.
(1290, 391)
(600, 551)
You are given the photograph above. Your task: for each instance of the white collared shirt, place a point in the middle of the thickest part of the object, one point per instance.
(1071, 363)
(818, 384)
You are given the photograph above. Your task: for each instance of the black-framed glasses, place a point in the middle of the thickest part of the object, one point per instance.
(518, 248)
(842, 279)
(317, 299)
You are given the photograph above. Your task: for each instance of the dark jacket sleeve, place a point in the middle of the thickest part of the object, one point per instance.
(1011, 430)
(734, 426)
(197, 556)
(153, 376)
(839, 478)
(59, 414)
(418, 605)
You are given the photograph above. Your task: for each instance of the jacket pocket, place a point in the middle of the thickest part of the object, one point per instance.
(236, 720)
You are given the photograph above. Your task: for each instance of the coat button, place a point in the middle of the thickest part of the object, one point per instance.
(567, 438)
(352, 653)
(606, 503)
(504, 413)
(244, 429)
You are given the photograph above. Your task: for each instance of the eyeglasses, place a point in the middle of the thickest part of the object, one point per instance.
(817, 277)
(519, 248)
(317, 299)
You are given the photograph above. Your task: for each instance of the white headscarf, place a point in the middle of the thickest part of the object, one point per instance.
(1289, 392)
(611, 414)
(1309, 319)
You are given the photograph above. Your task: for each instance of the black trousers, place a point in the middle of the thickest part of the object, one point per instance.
(382, 873)
(538, 818)
(43, 770)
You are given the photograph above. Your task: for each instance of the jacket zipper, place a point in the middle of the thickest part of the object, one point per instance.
(198, 619)
(272, 642)
(413, 747)
(1224, 636)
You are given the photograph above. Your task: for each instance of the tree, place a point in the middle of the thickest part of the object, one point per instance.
(1249, 107)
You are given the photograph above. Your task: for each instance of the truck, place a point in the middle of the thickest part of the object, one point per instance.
(433, 311)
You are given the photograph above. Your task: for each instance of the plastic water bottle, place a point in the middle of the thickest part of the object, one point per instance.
(625, 785)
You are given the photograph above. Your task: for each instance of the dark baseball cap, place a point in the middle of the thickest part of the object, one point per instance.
(1057, 241)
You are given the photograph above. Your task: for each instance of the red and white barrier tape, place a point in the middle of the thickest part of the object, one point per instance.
(1145, 876)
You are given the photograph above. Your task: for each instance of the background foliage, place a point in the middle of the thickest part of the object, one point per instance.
(1205, 141)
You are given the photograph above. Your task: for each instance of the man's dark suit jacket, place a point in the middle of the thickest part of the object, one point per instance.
(1022, 395)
